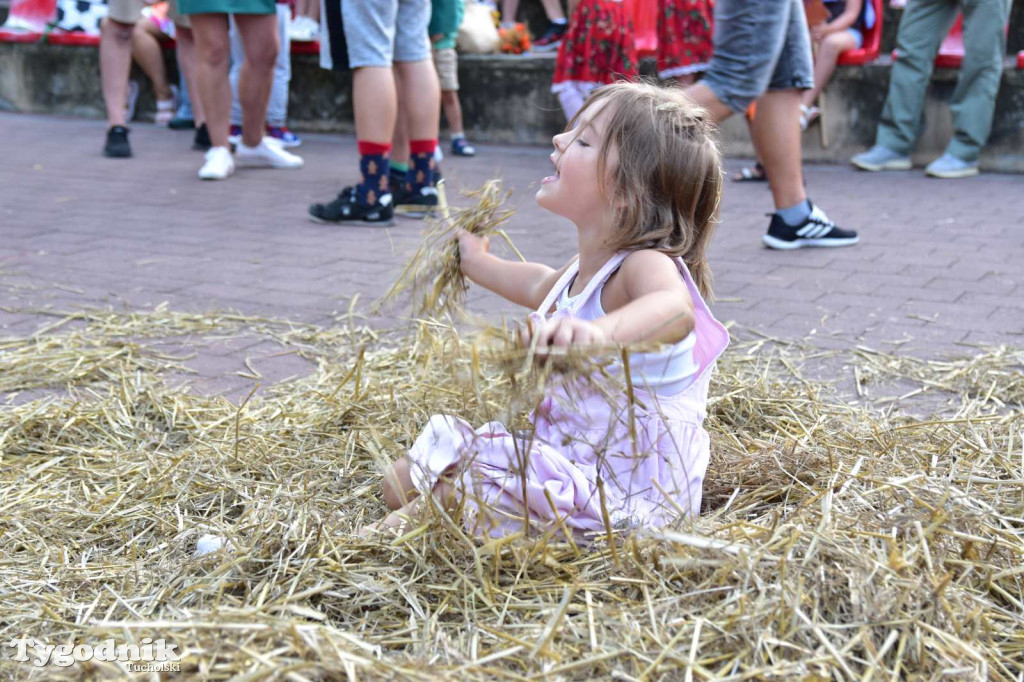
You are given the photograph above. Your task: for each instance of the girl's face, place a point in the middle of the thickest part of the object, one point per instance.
(576, 191)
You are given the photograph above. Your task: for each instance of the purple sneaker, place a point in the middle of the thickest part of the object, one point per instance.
(286, 137)
(462, 147)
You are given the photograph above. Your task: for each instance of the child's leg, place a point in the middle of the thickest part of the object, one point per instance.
(400, 515)
(829, 50)
(277, 107)
(146, 51)
(398, 485)
(187, 59)
(452, 111)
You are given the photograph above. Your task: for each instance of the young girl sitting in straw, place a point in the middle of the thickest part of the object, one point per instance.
(639, 174)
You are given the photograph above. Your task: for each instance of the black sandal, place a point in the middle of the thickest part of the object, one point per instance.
(753, 173)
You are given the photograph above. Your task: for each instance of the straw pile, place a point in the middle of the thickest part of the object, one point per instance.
(836, 542)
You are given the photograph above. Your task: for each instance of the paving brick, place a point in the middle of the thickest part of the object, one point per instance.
(134, 234)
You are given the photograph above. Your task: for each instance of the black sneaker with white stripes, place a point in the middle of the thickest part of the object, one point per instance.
(817, 230)
(346, 209)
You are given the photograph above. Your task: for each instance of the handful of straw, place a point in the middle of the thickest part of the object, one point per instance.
(433, 277)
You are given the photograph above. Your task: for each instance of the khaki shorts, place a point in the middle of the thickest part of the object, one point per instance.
(446, 61)
(125, 11)
(180, 20)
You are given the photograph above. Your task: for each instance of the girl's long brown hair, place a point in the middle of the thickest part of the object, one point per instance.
(668, 180)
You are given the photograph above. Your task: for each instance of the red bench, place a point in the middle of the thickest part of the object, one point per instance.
(871, 46)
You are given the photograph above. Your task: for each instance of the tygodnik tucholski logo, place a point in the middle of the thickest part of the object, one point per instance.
(147, 656)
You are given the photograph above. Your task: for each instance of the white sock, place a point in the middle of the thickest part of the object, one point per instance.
(458, 136)
(571, 100)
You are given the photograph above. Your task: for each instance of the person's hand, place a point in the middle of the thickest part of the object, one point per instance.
(819, 32)
(436, 38)
(564, 331)
(471, 247)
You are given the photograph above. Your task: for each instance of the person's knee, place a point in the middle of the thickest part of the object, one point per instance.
(395, 492)
(216, 54)
(837, 43)
(263, 60)
(118, 31)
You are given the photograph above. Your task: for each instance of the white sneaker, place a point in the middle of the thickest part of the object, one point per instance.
(303, 29)
(268, 154)
(219, 164)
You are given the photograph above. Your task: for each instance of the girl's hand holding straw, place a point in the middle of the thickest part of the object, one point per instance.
(563, 332)
(471, 247)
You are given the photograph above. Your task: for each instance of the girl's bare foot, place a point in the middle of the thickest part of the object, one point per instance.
(392, 524)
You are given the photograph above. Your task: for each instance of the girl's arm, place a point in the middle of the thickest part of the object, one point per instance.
(524, 283)
(648, 301)
(847, 19)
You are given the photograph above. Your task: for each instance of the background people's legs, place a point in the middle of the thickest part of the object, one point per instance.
(147, 52)
(213, 50)
(924, 24)
(259, 39)
(776, 134)
(115, 65)
(773, 67)
(974, 100)
(277, 106)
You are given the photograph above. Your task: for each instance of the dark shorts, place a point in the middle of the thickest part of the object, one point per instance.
(760, 45)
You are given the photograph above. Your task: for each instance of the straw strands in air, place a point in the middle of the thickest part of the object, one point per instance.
(432, 281)
(837, 542)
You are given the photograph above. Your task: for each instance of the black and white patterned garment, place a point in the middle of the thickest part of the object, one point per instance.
(80, 16)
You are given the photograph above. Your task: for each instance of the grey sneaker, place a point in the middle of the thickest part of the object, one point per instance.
(880, 158)
(949, 166)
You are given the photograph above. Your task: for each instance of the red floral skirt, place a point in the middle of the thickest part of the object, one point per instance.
(684, 36)
(598, 48)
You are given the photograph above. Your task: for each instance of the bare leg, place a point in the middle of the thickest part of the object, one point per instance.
(186, 47)
(776, 134)
(399, 518)
(452, 110)
(259, 38)
(375, 103)
(508, 11)
(147, 52)
(702, 95)
(776, 131)
(308, 8)
(829, 50)
(212, 50)
(553, 8)
(115, 65)
(423, 93)
(398, 485)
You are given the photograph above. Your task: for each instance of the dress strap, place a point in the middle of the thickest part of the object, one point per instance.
(594, 285)
(556, 291)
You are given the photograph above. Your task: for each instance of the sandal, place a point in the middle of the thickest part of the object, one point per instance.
(808, 115)
(753, 173)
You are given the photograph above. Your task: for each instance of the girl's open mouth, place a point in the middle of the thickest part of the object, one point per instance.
(550, 178)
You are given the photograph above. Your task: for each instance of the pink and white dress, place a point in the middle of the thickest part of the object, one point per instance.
(647, 459)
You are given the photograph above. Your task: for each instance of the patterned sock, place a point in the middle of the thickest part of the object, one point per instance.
(422, 167)
(373, 164)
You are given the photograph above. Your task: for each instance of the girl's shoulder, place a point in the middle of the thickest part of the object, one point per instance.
(642, 272)
(645, 260)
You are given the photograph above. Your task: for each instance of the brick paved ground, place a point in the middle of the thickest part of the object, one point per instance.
(938, 270)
